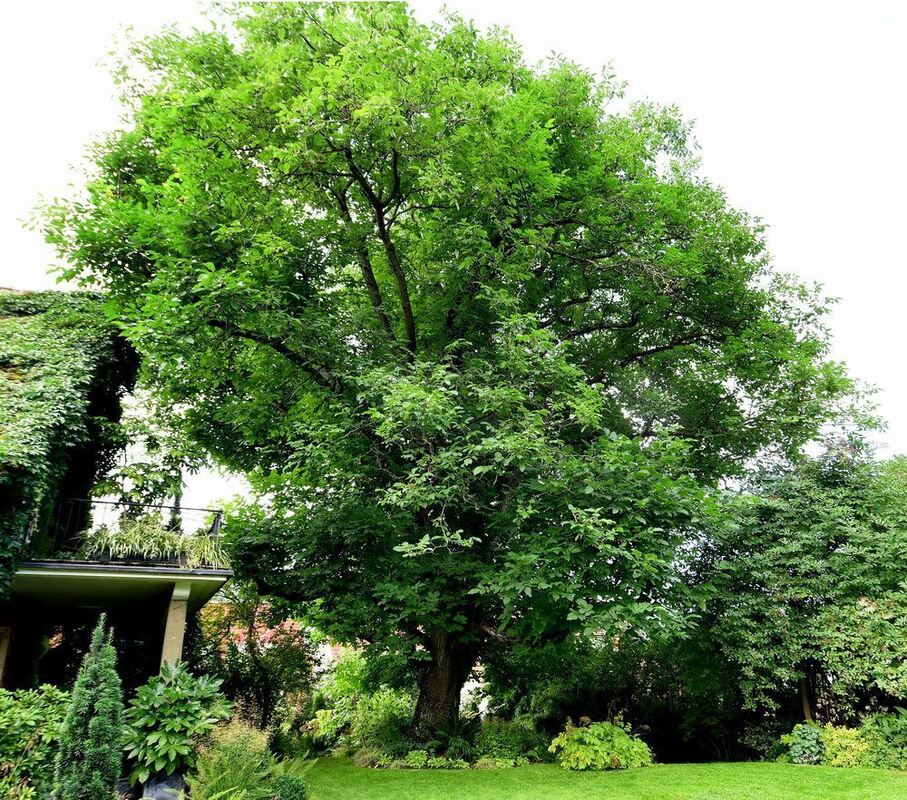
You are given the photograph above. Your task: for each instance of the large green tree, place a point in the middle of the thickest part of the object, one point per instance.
(477, 335)
(808, 568)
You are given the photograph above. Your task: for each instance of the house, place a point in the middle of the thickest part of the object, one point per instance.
(65, 558)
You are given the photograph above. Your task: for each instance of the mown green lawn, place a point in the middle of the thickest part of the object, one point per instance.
(337, 779)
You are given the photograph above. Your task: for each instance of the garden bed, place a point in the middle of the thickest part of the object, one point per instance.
(338, 779)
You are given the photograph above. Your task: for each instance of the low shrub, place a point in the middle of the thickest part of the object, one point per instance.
(881, 742)
(843, 747)
(365, 757)
(421, 759)
(442, 762)
(381, 722)
(416, 759)
(509, 741)
(286, 786)
(886, 738)
(489, 762)
(30, 726)
(291, 744)
(454, 739)
(600, 745)
(236, 760)
(804, 744)
(326, 726)
(167, 719)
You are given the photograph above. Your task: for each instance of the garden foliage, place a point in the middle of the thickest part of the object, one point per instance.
(236, 760)
(62, 371)
(804, 744)
(807, 585)
(31, 723)
(599, 746)
(263, 657)
(167, 719)
(510, 742)
(880, 741)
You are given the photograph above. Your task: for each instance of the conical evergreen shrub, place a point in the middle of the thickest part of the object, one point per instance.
(90, 754)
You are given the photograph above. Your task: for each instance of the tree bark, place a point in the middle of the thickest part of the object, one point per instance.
(439, 690)
(804, 700)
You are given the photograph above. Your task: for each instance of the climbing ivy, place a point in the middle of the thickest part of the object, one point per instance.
(63, 369)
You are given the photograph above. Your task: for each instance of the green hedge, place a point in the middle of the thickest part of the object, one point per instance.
(880, 741)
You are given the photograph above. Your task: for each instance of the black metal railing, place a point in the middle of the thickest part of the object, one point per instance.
(129, 532)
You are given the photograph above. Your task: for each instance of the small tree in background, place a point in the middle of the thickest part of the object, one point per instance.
(90, 755)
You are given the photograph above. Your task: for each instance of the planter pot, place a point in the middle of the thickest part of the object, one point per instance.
(167, 788)
(126, 790)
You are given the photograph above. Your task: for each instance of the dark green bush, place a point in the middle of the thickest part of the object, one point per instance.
(509, 741)
(90, 750)
(886, 737)
(286, 786)
(30, 725)
(600, 745)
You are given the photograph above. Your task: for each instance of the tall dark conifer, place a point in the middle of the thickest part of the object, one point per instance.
(90, 755)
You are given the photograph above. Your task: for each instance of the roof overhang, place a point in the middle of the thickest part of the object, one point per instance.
(74, 583)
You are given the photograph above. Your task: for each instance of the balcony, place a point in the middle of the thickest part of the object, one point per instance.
(148, 567)
(120, 532)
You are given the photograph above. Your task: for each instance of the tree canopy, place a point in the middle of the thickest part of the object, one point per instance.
(808, 569)
(477, 330)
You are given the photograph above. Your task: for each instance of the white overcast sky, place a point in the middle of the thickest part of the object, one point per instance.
(800, 108)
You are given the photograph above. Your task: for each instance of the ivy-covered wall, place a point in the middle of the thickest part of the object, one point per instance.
(63, 371)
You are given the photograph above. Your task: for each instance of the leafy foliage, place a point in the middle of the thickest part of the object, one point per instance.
(381, 722)
(31, 723)
(887, 738)
(62, 371)
(508, 741)
(262, 656)
(804, 743)
(288, 786)
(236, 760)
(679, 687)
(167, 718)
(475, 334)
(90, 754)
(843, 747)
(600, 745)
(808, 574)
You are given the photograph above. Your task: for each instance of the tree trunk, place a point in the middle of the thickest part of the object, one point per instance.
(443, 679)
(804, 700)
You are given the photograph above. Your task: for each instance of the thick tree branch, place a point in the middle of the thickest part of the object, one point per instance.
(393, 257)
(365, 266)
(320, 374)
(662, 348)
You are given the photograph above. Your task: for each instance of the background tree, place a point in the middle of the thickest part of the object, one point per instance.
(262, 655)
(808, 568)
(478, 337)
(91, 743)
